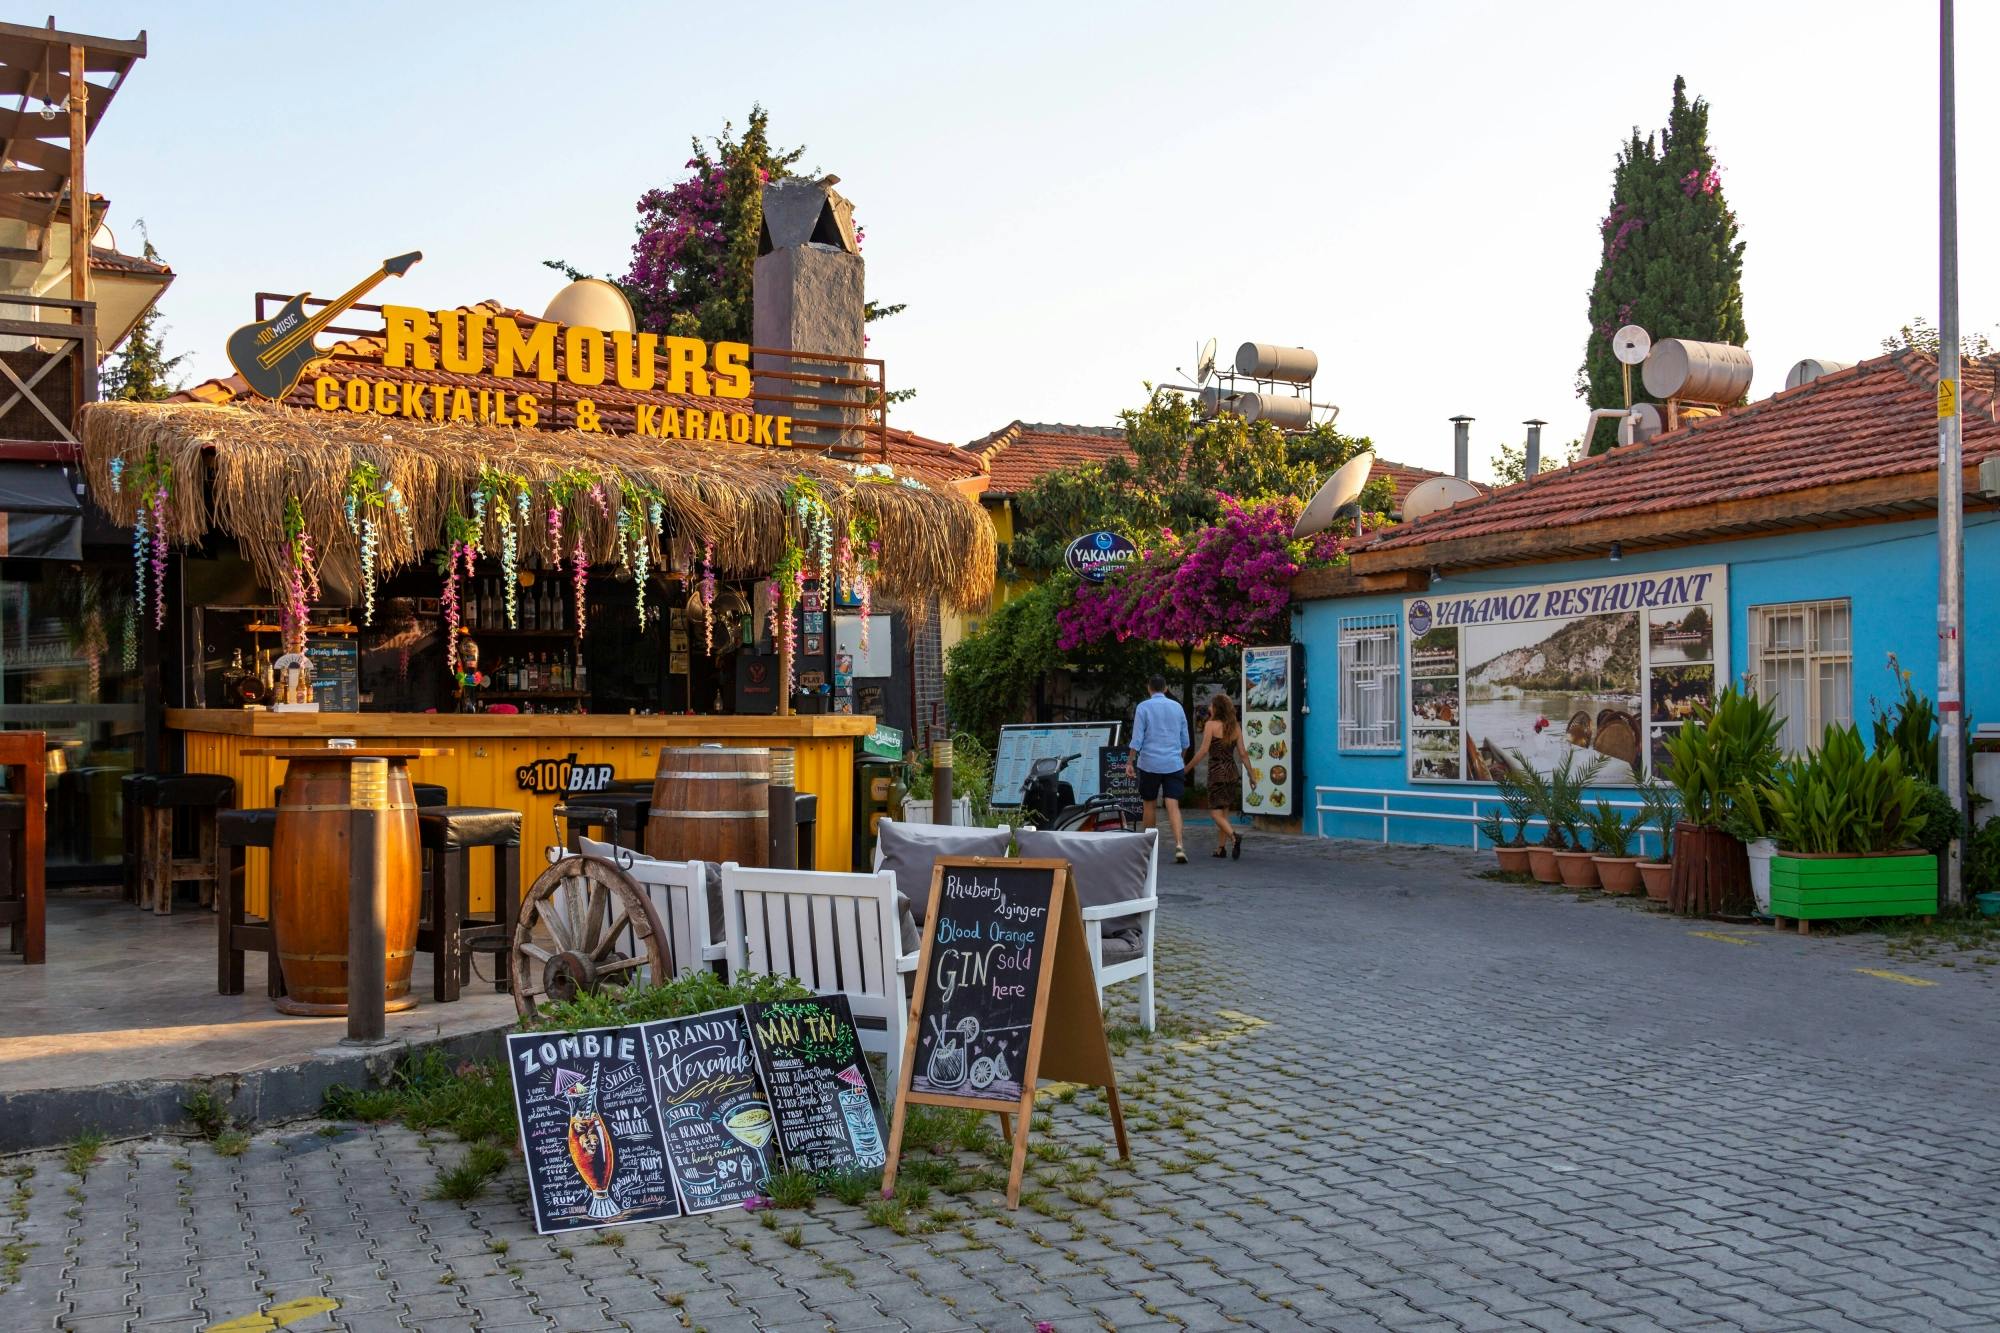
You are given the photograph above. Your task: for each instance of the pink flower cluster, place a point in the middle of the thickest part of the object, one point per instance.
(681, 235)
(1699, 182)
(1229, 583)
(1618, 228)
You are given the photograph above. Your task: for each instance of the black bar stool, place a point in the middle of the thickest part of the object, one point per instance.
(633, 808)
(430, 794)
(202, 796)
(449, 833)
(236, 831)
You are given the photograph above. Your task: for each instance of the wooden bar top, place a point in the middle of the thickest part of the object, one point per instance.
(471, 726)
(345, 752)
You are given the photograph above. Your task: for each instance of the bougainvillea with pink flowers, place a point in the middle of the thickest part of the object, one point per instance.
(1228, 583)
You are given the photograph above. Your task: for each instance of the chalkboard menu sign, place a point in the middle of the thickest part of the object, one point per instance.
(829, 1118)
(1116, 780)
(990, 934)
(714, 1118)
(588, 1129)
(336, 672)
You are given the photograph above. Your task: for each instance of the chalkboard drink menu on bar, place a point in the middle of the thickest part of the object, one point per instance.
(1116, 779)
(989, 941)
(829, 1117)
(588, 1130)
(714, 1118)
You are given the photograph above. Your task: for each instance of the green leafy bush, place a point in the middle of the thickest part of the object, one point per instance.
(1940, 820)
(688, 993)
(1728, 744)
(1982, 859)
(1909, 728)
(1842, 799)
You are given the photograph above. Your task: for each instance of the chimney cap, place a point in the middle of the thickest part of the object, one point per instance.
(1464, 418)
(1534, 421)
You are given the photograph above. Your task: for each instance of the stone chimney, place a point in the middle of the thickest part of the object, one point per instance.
(808, 297)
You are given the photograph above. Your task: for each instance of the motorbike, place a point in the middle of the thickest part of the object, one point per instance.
(1051, 804)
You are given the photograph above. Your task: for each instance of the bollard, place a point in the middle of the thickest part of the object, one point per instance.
(941, 782)
(784, 821)
(367, 904)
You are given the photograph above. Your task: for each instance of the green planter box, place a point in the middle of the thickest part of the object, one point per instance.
(1821, 888)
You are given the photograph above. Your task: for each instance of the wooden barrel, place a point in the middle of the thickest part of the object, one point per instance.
(309, 881)
(711, 804)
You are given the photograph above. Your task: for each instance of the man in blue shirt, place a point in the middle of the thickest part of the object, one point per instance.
(1159, 749)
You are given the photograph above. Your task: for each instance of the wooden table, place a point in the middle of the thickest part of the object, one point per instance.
(309, 867)
(22, 902)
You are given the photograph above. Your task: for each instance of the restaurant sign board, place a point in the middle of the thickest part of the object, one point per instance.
(1095, 555)
(1605, 669)
(563, 777)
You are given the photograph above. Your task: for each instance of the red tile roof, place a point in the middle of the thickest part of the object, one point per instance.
(114, 261)
(1021, 453)
(1860, 442)
(932, 458)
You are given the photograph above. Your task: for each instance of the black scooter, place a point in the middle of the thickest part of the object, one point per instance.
(1051, 803)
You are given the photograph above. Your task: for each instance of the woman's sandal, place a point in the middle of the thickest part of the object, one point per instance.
(1236, 848)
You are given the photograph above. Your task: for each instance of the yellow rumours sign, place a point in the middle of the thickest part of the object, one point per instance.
(455, 341)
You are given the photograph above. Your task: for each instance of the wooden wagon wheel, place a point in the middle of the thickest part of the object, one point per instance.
(584, 925)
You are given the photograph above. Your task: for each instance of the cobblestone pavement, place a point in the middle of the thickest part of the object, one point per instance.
(1390, 1095)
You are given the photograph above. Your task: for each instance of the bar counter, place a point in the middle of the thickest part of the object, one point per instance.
(489, 750)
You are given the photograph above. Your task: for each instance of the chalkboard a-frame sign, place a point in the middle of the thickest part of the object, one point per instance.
(1003, 952)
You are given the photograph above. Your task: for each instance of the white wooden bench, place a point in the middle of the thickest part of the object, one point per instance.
(1098, 919)
(835, 932)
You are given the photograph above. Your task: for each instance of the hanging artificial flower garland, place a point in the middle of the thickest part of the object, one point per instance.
(461, 546)
(149, 529)
(708, 599)
(301, 580)
(565, 488)
(863, 563)
(368, 495)
(492, 498)
(639, 514)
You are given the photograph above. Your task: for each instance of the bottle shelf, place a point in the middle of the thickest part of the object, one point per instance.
(523, 633)
(531, 694)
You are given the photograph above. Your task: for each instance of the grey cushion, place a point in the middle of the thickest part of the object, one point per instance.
(1108, 868)
(625, 858)
(912, 934)
(911, 851)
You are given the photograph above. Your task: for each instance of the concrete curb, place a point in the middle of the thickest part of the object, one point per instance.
(53, 1117)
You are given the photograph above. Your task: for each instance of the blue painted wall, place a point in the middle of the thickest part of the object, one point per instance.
(1887, 571)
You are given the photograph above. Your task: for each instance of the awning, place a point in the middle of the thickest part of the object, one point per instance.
(40, 516)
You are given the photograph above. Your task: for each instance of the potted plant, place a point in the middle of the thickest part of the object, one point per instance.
(1731, 742)
(1567, 783)
(1611, 847)
(1536, 792)
(1749, 822)
(1847, 824)
(1663, 811)
(1517, 809)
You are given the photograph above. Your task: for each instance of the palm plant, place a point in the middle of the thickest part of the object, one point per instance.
(1732, 742)
(1663, 811)
(1518, 807)
(1531, 786)
(1567, 783)
(1611, 831)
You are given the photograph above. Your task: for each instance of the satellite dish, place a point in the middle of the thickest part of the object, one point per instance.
(592, 303)
(1435, 493)
(1631, 344)
(1649, 423)
(1204, 365)
(1342, 489)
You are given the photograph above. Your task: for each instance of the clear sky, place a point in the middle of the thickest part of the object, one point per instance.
(1071, 196)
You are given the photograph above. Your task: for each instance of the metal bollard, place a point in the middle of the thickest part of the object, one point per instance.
(367, 903)
(784, 821)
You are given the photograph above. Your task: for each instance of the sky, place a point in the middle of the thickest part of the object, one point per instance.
(1071, 197)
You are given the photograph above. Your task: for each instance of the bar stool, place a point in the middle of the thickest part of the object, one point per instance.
(633, 809)
(236, 831)
(202, 796)
(430, 794)
(133, 790)
(806, 804)
(449, 833)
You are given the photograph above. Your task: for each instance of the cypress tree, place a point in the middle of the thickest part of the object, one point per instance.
(1670, 261)
(141, 371)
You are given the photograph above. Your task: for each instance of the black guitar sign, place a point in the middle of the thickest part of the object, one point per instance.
(273, 353)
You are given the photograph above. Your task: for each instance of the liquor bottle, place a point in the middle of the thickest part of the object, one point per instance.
(558, 609)
(528, 610)
(581, 686)
(468, 614)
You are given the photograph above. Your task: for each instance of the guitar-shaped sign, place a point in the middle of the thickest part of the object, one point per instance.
(272, 354)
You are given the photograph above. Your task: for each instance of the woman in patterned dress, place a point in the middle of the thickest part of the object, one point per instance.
(1222, 745)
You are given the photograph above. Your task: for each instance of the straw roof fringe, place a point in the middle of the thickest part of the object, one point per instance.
(935, 542)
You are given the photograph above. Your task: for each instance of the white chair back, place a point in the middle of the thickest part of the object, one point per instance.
(835, 932)
(679, 894)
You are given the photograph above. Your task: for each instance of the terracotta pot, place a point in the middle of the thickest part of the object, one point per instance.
(1576, 870)
(1542, 865)
(1618, 874)
(1658, 877)
(1513, 860)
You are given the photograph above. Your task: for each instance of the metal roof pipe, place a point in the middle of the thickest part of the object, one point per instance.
(1627, 419)
(1531, 463)
(1461, 447)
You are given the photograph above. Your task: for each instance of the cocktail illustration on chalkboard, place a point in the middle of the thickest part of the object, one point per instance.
(751, 1126)
(859, 1113)
(590, 1150)
(947, 1065)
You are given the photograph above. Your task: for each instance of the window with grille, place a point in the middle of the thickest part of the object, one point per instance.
(1371, 684)
(1803, 654)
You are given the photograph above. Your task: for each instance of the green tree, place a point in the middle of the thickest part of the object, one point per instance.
(999, 674)
(1178, 471)
(1509, 463)
(1670, 261)
(141, 371)
(1922, 335)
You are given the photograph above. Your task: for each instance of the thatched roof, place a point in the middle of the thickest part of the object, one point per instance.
(935, 541)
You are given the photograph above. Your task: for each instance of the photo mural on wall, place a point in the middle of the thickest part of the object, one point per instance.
(1531, 673)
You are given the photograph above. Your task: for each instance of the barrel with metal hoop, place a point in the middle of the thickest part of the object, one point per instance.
(309, 873)
(711, 803)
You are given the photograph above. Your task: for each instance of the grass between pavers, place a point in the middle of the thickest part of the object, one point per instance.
(1945, 940)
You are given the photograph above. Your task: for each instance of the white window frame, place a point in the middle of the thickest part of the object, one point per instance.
(1371, 684)
(1802, 657)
